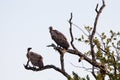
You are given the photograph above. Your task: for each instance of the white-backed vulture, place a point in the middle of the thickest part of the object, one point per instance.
(35, 58)
(59, 38)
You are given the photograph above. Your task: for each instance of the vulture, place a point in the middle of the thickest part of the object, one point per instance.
(34, 58)
(59, 38)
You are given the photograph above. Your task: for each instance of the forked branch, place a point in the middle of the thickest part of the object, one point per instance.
(95, 25)
(94, 31)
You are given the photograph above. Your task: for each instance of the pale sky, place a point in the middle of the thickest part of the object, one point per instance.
(25, 23)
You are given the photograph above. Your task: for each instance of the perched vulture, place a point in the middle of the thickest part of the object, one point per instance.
(59, 38)
(34, 58)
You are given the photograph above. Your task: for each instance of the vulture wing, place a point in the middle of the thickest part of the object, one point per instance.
(36, 59)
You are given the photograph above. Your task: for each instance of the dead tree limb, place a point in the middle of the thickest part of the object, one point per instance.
(62, 62)
(48, 67)
(71, 34)
(61, 52)
(94, 28)
(94, 31)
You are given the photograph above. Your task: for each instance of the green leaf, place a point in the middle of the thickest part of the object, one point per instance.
(79, 39)
(108, 40)
(88, 28)
(86, 41)
(114, 38)
(118, 43)
(76, 77)
(82, 37)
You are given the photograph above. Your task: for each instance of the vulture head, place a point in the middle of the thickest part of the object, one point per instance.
(59, 38)
(50, 28)
(29, 49)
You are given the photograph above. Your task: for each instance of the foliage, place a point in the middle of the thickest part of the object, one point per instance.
(107, 51)
(76, 77)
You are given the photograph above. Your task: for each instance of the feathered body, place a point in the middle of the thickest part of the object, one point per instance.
(36, 59)
(59, 38)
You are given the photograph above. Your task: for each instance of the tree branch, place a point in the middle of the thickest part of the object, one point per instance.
(48, 67)
(93, 72)
(87, 69)
(61, 52)
(80, 29)
(97, 17)
(94, 31)
(95, 25)
(80, 54)
(62, 62)
(72, 38)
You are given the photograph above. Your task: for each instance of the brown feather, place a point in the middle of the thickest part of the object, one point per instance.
(35, 58)
(59, 38)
